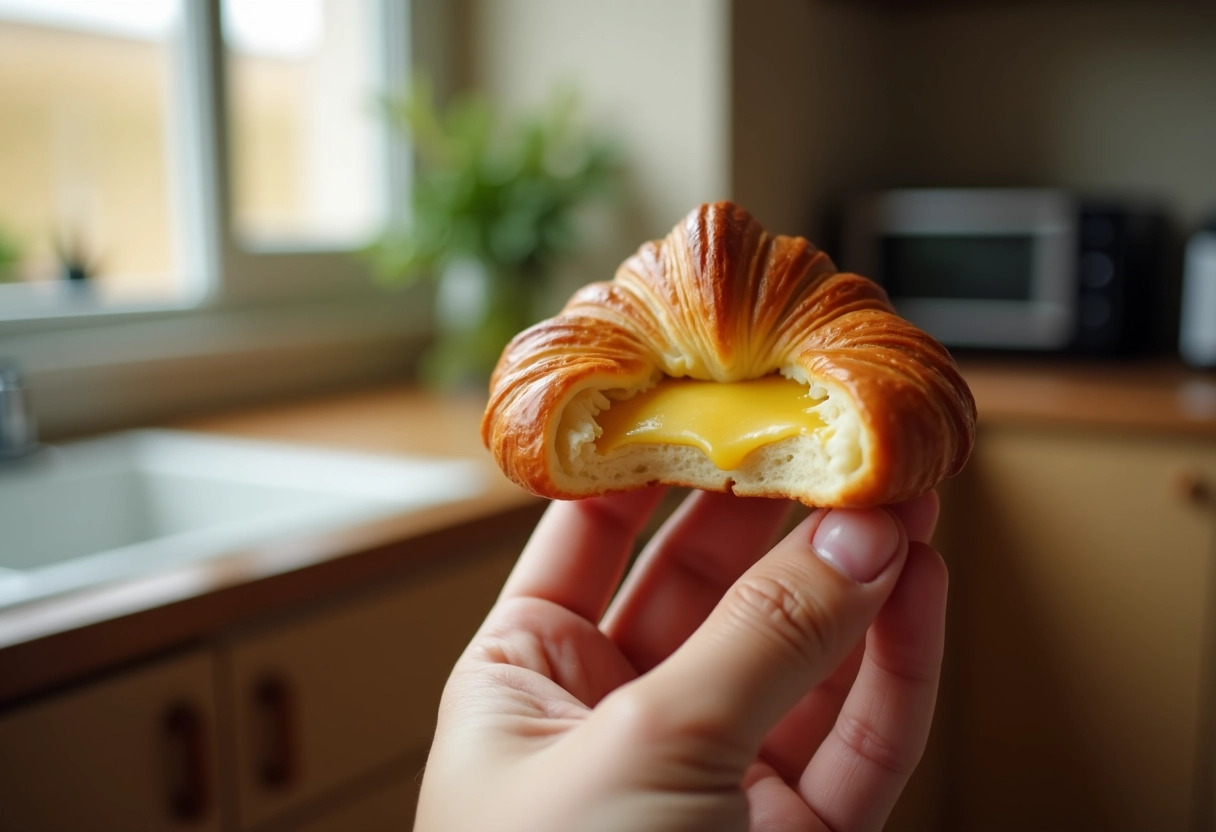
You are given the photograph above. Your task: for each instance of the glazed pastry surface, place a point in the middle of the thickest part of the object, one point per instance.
(721, 300)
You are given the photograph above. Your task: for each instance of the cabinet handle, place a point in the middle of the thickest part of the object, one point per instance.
(275, 708)
(185, 734)
(1191, 487)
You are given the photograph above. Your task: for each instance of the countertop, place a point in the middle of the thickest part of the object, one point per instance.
(1149, 395)
(46, 643)
(66, 637)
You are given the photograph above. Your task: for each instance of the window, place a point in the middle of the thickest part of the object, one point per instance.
(186, 183)
(165, 155)
(85, 92)
(308, 153)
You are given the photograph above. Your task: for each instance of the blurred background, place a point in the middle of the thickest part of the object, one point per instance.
(249, 248)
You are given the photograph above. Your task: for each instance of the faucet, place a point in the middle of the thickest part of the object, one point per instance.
(18, 431)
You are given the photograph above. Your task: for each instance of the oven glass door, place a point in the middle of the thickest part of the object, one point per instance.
(961, 266)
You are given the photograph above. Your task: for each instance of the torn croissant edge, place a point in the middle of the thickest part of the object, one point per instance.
(823, 458)
(721, 300)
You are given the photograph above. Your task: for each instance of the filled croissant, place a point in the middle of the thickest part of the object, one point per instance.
(727, 359)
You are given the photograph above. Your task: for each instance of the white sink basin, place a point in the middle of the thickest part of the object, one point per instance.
(133, 503)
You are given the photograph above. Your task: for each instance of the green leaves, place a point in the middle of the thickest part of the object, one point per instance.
(10, 256)
(507, 194)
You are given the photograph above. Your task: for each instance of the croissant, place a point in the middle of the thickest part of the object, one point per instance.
(724, 358)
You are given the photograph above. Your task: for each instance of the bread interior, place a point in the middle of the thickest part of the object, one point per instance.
(813, 466)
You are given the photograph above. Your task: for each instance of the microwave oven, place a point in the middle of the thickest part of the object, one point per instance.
(1015, 269)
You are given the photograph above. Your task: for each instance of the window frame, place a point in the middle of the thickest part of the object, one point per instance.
(238, 274)
(312, 301)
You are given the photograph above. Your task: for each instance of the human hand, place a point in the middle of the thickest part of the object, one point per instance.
(721, 689)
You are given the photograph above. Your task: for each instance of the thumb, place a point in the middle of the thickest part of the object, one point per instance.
(781, 629)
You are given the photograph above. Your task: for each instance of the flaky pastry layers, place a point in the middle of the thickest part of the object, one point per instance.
(722, 300)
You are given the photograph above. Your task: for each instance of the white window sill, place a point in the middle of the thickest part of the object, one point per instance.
(152, 365)
(28, 307)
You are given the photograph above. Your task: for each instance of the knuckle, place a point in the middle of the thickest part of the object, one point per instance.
(786, 611)
(862, 738)
(909, 669)
(509, 637)
(636, 718)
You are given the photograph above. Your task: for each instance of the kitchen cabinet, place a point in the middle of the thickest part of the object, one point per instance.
(290, 687)
(338, 693)
(385, 806)
(314, 720)
(1078, 659)
(136, 751)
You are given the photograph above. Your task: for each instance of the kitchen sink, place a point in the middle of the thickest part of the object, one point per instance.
(142, 501)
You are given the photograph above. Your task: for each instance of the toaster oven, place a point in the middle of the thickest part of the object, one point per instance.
(1019, 269)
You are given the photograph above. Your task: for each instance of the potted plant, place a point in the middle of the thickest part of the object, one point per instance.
(494, 207)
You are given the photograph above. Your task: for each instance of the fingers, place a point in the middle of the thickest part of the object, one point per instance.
(919, 516)
(773, 806)
(782, 628)
(858, 773)
(579, 550)
(550, 643)
(791, 744)
(682, 574)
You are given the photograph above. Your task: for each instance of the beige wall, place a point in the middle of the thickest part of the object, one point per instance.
(787, 105)
(1113, 95)
(804, 125)
(654, 74)
(831, 95)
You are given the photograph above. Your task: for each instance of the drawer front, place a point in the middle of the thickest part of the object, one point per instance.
(135, 751)
(388, 804)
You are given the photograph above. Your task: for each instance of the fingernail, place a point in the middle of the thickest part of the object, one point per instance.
(858, 542)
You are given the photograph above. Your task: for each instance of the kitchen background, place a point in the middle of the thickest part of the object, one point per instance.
(208, 174)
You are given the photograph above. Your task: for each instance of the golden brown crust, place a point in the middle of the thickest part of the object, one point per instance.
(722, 299)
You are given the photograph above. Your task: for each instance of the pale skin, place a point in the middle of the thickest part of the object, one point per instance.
(730, 684)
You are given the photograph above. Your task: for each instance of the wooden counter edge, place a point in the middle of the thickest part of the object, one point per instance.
(1152, 396)
(33, 667)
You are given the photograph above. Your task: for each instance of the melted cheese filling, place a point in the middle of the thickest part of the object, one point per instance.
(727, 421)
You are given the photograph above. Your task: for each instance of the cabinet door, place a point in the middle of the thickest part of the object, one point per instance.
(1079, 597)
(133, 752)
(390, 804)
(325, 699)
